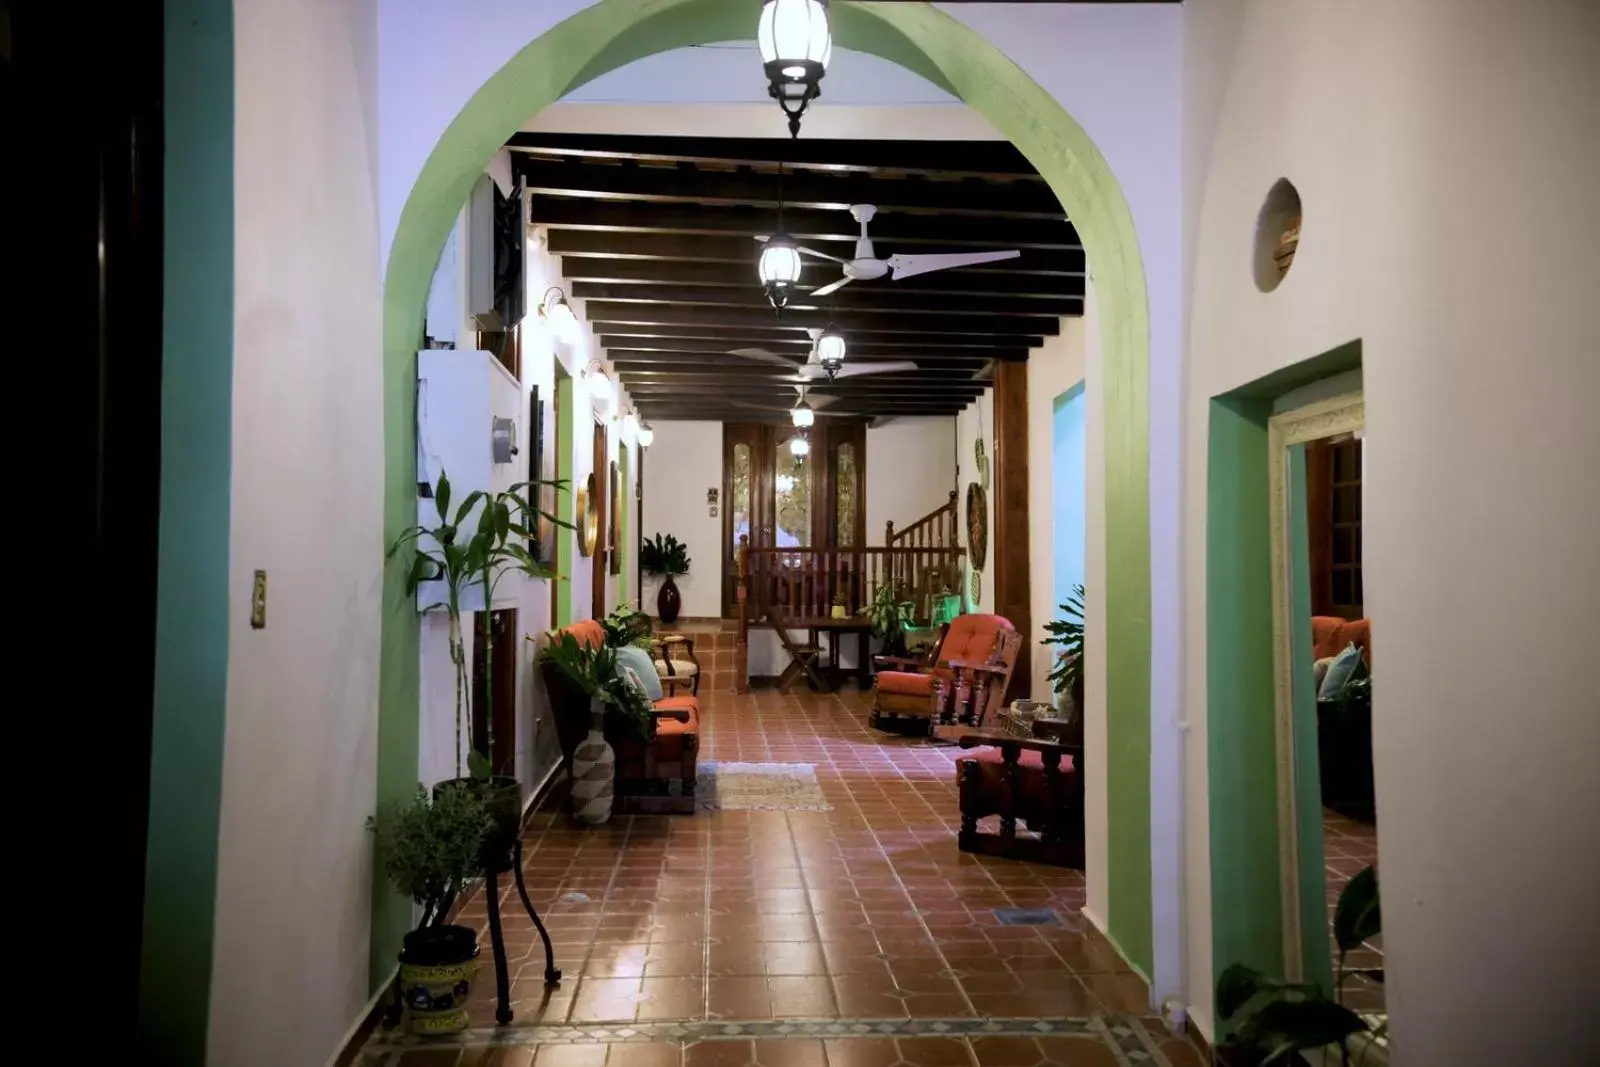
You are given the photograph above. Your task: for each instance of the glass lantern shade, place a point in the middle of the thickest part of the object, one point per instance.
(830, 351)
(645, 435)
(802, 415)
(796, 44)
(779, 269)
(799, 446)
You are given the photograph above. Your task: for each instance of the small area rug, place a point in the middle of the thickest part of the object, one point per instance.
(759, 787)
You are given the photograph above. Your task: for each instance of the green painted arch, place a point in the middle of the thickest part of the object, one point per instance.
(612, 33)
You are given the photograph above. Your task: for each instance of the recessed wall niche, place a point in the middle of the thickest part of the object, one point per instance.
(1277, 235)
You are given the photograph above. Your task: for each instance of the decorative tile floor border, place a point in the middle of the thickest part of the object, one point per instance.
(1120, 1032)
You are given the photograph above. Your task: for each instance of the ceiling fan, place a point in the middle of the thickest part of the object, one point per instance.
(813, 405)
(866, 266)
(815, 368)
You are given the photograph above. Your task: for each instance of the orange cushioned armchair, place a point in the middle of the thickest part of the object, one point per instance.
(654, 777)
(972, 661)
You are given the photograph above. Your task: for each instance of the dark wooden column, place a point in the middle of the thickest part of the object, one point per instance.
(1009, 547)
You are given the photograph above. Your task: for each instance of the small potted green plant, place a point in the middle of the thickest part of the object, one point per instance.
(1267, 1021)
(430, 847)
(890, 618)
(1066, 634)
(665, 557)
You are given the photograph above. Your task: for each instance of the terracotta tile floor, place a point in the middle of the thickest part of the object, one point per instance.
(1347, 847)
(865, 912)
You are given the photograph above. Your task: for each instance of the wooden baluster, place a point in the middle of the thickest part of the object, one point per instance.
(888, 534)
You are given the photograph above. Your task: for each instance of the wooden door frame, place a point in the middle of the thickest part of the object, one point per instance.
(760, 438)
(599, 559)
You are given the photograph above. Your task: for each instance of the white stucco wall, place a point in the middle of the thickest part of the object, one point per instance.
(294, 878)
(683, 461)
(911, 468)
(1467, 143)
(976, 423)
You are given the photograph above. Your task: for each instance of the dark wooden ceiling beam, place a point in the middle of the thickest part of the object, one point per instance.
(876, 296)
(599, 313)
(741, 275)
(891, 228)
(757, 372)
(673, 352)
(687, 184)
(972, 157)
(780, 340)
(623, 244)
(887, 385)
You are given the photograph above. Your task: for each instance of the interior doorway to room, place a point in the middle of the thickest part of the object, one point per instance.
(1326, 650)
(496, 674)
(780, 498)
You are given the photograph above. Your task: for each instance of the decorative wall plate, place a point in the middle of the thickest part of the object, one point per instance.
(977, 588)
(980, 459)
(588, 517)
(977, 525)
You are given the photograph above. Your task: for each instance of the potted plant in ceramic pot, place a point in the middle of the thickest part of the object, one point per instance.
(665, 557)
(618, 709)
(431, 847)
(1066, 634)
(459, 561)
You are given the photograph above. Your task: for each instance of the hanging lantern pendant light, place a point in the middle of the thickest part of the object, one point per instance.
(796, 44)
(779, 265)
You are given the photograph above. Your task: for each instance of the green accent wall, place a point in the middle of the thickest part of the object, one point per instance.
(1246, 881)
(1247, 916)
(624, 527)
(566, 502)
(945, 51)
(191, 669)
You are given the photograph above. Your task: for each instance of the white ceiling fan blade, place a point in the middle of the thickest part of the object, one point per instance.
(819, 402)
(819, 255)
(906, 266)
(763, 355)
(832, 287)
(850, 370)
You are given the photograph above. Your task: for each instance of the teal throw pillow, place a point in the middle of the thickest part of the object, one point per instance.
(1345, 666)
(637, 658)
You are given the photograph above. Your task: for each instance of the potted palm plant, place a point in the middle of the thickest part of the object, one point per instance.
(430, 847)
(666, 557)
(458, 561)
(1066, 634)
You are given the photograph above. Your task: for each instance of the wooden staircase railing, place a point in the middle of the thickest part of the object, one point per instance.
(796, 587)
(937, 530)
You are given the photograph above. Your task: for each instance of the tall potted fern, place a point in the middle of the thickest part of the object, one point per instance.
(1066, 634)
(460, 561)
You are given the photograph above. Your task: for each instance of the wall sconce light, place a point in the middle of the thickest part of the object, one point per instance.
(630, 425)
(600, 387)
(646, 435)
(555, 310)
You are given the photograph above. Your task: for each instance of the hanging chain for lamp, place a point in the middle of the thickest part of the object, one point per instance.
(796, 43)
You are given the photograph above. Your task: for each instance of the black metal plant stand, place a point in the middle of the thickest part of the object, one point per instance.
(502, 981)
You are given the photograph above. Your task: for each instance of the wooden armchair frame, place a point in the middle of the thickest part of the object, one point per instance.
(1058, 820)
(981, 687)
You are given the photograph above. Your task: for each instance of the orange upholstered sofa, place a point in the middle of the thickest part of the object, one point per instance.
(1330, 635)
(654, 777)
(931, 693)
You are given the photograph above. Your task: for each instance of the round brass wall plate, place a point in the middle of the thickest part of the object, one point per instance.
(980, 459)
(588, 518)
(977, 587)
